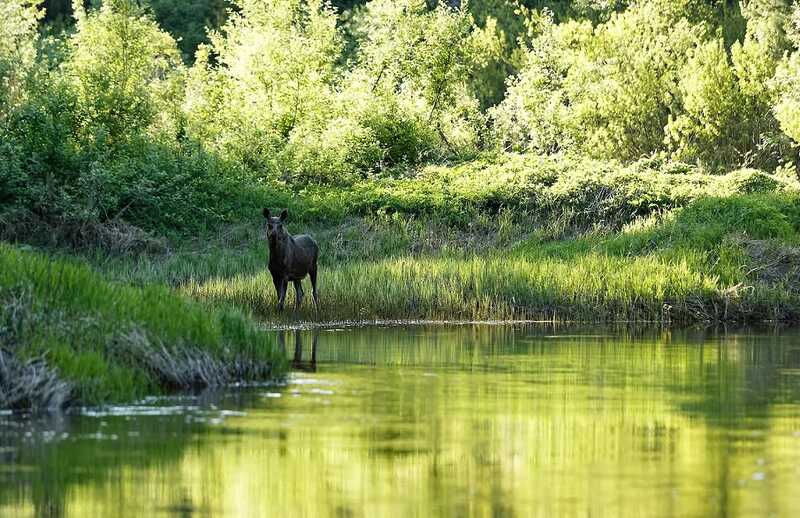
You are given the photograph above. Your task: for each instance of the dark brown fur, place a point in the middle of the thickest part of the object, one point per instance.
(291, 258)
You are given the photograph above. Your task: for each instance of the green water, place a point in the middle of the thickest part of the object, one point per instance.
(443, 421)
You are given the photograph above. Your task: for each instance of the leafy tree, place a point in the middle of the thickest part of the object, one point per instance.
(189, 20)
(125, 71)
(419, 63)
(787, 109)
(269, 71)
(606, 91)
(18, 37)
(727, 118)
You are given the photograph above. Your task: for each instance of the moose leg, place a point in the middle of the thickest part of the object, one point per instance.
(276, 281)
(284, 283)
(298, 350)
(298, 294)
(282, 340)
(313, 275)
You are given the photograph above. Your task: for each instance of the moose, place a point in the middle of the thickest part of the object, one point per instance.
(291, 258)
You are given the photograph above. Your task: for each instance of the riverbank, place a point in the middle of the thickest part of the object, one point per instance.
(68, 336)
(520, 238)
(718, 260)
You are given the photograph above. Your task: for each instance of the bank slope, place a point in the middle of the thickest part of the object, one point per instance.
(68, 336)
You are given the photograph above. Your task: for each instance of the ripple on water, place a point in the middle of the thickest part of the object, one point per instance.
(138, 411)
(294, 380)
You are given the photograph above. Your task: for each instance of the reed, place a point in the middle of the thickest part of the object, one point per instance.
(591, 288)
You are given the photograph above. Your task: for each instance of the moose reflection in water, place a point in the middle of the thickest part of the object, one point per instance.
(297, 360)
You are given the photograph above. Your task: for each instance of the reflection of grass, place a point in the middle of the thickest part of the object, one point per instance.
(113, 342)
(475, 421)
(69, 453)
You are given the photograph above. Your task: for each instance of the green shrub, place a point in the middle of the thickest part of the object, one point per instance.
(18, 39)
(605, 91)
(708, 220)
(750, 181)
(125, 71)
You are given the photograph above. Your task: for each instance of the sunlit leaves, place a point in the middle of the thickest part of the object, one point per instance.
(605, 91)
(125, 70)
(18, 35)
(269, 70)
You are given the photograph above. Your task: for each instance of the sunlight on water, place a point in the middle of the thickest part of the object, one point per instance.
(448, 421)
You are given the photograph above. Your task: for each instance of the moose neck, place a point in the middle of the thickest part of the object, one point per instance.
(279, 249)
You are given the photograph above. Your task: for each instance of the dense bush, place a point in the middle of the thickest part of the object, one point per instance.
(359, 106)
(584, 193)
(788, 81)
(270, 91)
(125, 72)
(18, 37)
(653, 78)
(98, 140)
(606, 91)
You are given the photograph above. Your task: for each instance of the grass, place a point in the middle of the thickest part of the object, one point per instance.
(592, 288)
(110, 342)
(690, 265)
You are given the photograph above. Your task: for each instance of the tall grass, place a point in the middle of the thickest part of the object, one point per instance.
(687, 266)
(115, 342)
(591, 288)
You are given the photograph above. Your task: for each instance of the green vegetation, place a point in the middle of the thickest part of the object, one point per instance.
(720, 259)
(505, 159)
(69, 336)
(681, 247)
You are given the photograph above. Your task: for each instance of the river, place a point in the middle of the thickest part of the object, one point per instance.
(448, 420)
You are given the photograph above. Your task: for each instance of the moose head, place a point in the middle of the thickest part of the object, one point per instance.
(276, 232)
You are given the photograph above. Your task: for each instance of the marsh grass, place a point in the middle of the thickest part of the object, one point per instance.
(681, 266)
(591, 288)
(115, 342)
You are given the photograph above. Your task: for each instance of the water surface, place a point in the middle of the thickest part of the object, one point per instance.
(443, 421)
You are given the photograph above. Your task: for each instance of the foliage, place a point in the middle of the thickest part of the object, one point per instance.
(727, 118)
(267, 75)
(187, 21)
(98, 141)
(653, 78)
(268, 92)
(295, 103)
(607, 92)
(18, 38)
(787, 109)
(125, 72)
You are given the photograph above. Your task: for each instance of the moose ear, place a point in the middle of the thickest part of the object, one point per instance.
(266, 213)
(284, 214)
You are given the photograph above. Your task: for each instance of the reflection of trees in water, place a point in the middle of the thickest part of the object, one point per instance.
(741, 376)
(732, 381)
(468, 420)
(737, 374)
(64, 452)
